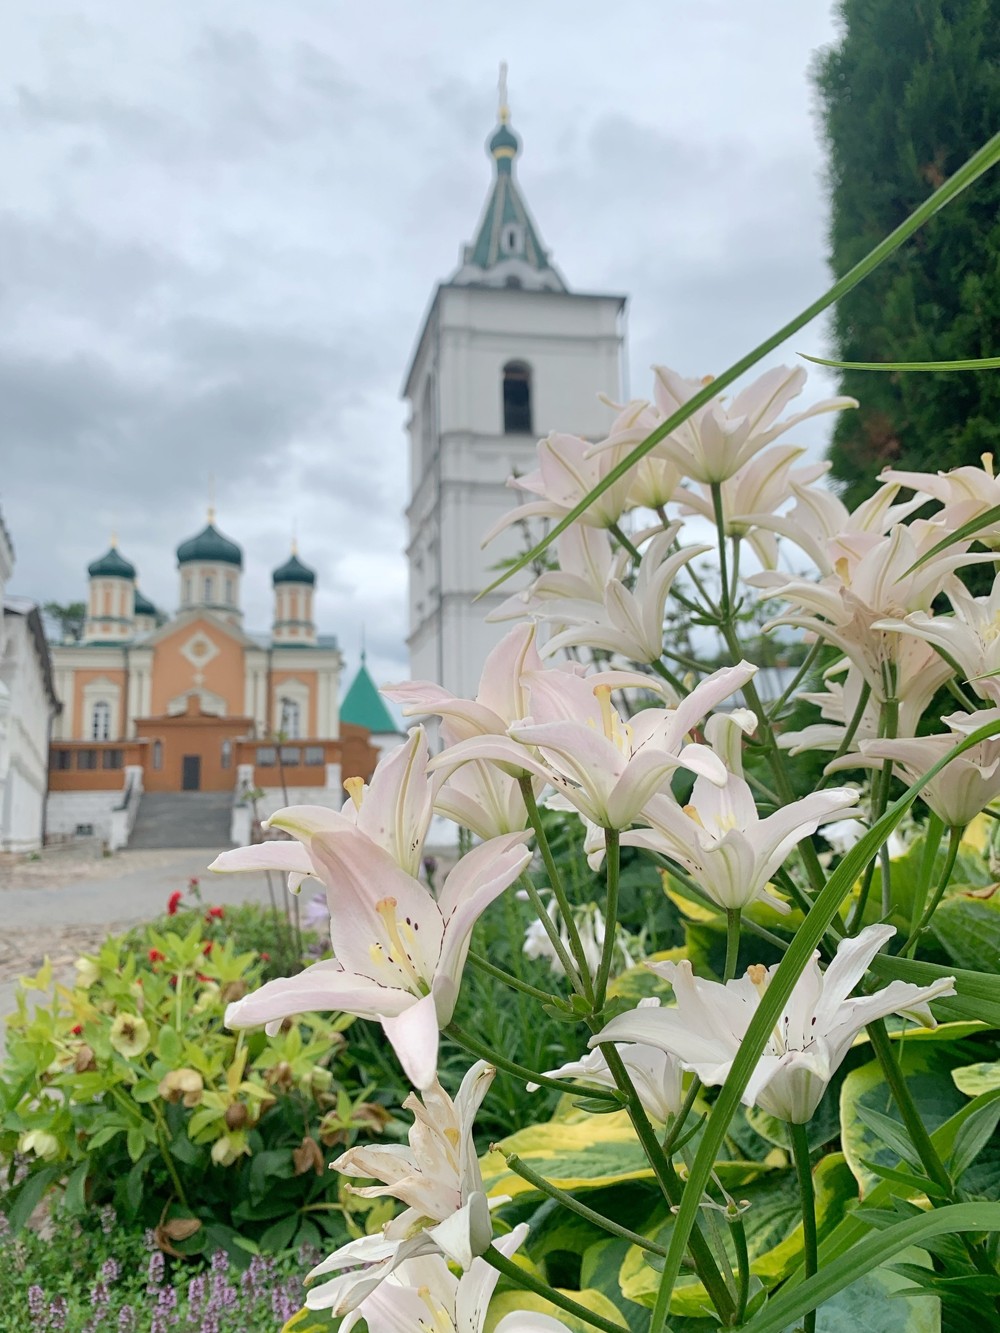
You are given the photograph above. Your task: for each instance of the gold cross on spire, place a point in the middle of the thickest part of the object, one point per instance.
(503, 110)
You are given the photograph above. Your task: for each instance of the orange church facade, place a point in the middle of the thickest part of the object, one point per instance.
(193, 702)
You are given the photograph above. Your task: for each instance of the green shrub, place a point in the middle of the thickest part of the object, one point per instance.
(126, 1089)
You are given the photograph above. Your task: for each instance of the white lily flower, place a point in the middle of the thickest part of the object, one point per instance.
(813, 1033)
(760, 487)
(873, 579)
(719, 836)
(605, 766)
(964, 787)
(423, 1294)
(920, 673)
(655, 1073)
(964, 492)
(586, 562)
(719, 438)
(970, 637)
(629, 622)
(568, 469)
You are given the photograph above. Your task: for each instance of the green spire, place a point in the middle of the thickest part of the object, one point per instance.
(507, 250)
(364, 706)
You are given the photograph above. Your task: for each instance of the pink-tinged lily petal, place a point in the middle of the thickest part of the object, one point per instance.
(323, 986)
(305, 821)
(415, 1035)
(286, 857)
(360, 1266)
(395, 811)
(467, 1233)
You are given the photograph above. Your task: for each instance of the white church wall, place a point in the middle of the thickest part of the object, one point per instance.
(26, 746)
(77, 813)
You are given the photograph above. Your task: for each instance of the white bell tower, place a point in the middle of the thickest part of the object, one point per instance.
(507, 354)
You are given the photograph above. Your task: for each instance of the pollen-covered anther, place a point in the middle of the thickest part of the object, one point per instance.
(398, 953)
(355, 788)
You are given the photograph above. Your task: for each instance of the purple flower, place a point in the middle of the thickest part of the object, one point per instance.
(110, 1271)
(36, 1305)
(58, 1311)
(126, 1319)
(154, 1273)
(108, 1218)
(149, 1240)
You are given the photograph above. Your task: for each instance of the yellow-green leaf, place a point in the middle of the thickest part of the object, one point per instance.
(974, 1079)
(508, 1301)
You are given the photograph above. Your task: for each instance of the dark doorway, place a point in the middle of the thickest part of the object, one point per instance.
(191, 772)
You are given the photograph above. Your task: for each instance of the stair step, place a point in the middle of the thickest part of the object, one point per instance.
(183, 819)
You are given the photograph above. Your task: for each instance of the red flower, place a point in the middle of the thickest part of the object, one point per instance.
(202, 977)
(76, 1029)
(265, 957)
(208, 946)
(173, 902)
(217, 912)
(193, 882)
(156, 957)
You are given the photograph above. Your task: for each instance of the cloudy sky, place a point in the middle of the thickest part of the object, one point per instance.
(221, 224)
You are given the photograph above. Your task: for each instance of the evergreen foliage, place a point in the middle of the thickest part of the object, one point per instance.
(911, 90)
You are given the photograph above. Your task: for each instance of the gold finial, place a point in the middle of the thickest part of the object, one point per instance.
(211, 498)
(114, 541)
(295, 546)
(503, 110)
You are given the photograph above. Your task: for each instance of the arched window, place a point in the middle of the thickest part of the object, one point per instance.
(100, 721)
(208, 588)
(157, 754)
(512, 239)
(227, 753)
(516, 398)
(187, 590)
(229, 591)
(290, 714)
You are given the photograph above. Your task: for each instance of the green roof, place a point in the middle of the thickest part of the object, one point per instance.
(293, 571)
(112, 565)
(210, 544)
(506, 230)
(364, 706)
(143, 606)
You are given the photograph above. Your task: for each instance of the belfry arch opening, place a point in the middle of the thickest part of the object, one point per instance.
(517, 398)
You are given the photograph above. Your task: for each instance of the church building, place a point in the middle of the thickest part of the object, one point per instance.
(507, 353)
(193, 702)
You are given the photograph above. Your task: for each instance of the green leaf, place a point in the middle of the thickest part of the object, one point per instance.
(972, 363)
(74, 1196)
(508, 1301)
(869, 1125)
(969, 931)
(135, 1141)
(30, 1194)
(170, 1047)
(972, 1138)
(587, 1154)
(278, 1237)
(974, 1079)
(870, 1253)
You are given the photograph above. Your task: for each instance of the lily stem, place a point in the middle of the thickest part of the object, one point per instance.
(508, 979)
(919, 1137)
(475, 1047)
(575, 1206)
(549, 926)
(524, 1279)
(556, 885)
(803, 1169)
(733, 915)
(612, 847)
(951, 856)
(667, 1178)
(739, 1234)
(677, 1124)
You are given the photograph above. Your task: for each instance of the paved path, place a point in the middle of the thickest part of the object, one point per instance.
(66, 903)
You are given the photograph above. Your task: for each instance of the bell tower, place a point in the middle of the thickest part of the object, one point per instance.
(506, 354)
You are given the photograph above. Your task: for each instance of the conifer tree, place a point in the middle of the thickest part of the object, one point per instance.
(911, 90)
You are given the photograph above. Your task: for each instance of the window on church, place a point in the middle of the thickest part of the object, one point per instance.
(516, 398)
(229, 591)
(187, 591)
(291, 754)
(315, 755)
(512, 239)
(227, 753)
(100, 721)
(208, 589)
(266, 756)
(62, 759)
(157, 755)
(86, 760)
(427, 422)
(112, 759)
(290, 719)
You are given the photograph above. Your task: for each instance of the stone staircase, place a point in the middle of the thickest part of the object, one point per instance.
(183, 819)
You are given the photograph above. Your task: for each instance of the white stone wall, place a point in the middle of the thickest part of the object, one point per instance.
(67, 810)
(461, 459)
(26, 747)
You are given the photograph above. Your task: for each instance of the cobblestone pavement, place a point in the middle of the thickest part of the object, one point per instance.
(71, 899)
